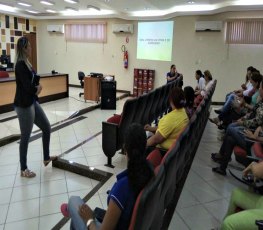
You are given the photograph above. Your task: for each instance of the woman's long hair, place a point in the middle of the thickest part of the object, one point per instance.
(139, 170)
(21, 54)
(189, 94)
(177, 97)
(208, 74)
(257, 78)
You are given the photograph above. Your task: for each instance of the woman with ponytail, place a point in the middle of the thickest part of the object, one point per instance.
(124, 192)
(170, 125)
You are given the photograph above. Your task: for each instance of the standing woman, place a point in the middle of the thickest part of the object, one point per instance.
(27, 107)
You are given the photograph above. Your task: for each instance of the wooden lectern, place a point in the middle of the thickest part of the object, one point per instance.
(92, 88)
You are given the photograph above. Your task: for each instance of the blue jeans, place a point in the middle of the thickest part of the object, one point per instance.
(28, 116)
(233, 137)
(227, 106)
(77, 222)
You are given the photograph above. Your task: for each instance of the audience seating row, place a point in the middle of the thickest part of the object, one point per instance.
(4, 74)
(144, 110)
(156, 203)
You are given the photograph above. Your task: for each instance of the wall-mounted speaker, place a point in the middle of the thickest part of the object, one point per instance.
(108, 94)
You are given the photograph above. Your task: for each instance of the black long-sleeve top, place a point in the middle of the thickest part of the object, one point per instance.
(25, 90)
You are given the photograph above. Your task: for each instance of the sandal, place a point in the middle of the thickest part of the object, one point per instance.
(27, 173)
(53, 158)
(64, 209)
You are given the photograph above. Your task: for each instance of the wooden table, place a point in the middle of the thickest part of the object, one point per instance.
(55, 86)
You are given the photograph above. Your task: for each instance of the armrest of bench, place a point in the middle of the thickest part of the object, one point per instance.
(109, 138)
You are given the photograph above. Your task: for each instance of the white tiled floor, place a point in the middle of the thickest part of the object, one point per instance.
(35, 203)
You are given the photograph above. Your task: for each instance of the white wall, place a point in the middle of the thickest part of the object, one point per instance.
(191, 50)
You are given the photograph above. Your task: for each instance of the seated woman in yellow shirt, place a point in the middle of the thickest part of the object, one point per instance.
(170, 125)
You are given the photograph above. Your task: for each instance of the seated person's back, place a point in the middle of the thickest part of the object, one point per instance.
(171, 125)
(124, 192)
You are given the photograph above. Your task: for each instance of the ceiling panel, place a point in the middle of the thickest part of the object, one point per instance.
(125, 8)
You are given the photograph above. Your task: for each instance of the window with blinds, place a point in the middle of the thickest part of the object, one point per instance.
(86, 32)
(244, 31)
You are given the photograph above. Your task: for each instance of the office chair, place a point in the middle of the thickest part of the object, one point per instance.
(81, 76)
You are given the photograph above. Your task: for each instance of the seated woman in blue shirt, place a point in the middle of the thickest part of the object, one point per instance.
(173, 74)
(123, 194)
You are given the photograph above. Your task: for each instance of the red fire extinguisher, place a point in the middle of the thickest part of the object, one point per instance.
(125, 59)
(125, 56)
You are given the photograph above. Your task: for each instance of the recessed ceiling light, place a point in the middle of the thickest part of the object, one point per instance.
(24, 4)
(70, 8)
(49, 3)
(33, 12)
(72, 1)
(51, 11)
(8, 8)
(93, 7)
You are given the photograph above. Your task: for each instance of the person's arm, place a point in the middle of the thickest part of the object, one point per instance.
(239, 93)
(254, 135)
(170, 78)
(39, 89)
(257, 133)
(157, 138)
(255, 168)
(197, 92)
(150, 128)
(248, 106)
(243, 86)
(110, 219)
(256, 121)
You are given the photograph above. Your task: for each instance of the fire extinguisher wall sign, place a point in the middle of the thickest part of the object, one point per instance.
(125, 57)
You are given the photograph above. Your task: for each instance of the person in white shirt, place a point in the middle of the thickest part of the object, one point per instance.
(208, 82)
(247, 87)
(200, 82)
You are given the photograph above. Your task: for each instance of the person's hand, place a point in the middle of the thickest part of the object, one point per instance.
(243, 86)
(248, 169)
(258, 130)
(239, 121)
(39, 89)
(249, 134)
(147, 127)
(85, 212)
(241, 101)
